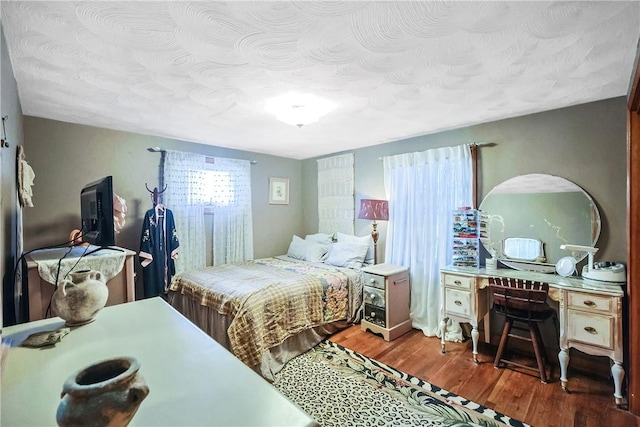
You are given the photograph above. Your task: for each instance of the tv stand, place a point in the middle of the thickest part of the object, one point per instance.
(121, 287)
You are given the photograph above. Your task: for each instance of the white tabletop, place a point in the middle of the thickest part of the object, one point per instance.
(554, 280)
(384, 269)
(192, 379)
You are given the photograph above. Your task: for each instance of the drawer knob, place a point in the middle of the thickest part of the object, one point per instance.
(457, 302)
(373, 314)
(372, 296)
(458, 282)
(372, 280)
(590, 329)
(589, 303)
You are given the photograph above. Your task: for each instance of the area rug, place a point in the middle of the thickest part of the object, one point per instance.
(340, 387)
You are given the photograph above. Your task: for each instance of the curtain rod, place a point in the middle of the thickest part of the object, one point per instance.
(477, 144)
(162, 150)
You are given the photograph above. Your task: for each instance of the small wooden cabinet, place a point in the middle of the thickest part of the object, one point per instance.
(591, 321)
(386, 300)
(121, 286)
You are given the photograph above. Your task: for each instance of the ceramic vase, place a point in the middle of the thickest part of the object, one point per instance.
(79, 299)
(107, 393)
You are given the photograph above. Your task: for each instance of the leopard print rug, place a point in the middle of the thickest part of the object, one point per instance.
(339, 387)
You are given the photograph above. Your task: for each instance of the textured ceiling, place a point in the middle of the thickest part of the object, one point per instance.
(202, 71)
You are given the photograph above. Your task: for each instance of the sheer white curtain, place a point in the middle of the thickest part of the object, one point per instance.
(232, 218)
(336, 187)
(185, 178)
(423, 189)
(220, 186)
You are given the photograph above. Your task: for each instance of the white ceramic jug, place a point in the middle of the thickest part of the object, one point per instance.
(79, 300)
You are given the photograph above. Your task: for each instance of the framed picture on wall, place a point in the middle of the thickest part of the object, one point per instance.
(278, 191)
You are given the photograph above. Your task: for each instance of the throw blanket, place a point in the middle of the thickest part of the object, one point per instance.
(58, 262)
(272, 299)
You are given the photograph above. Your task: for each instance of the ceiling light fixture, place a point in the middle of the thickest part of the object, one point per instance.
(299, 109)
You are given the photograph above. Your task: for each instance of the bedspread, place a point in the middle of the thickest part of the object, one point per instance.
(272, 299)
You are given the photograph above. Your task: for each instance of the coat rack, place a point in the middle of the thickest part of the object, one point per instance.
(155, 193)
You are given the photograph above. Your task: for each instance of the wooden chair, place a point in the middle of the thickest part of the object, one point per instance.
(521, 302)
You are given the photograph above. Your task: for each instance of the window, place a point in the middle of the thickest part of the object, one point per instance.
(198, 185)
(218, 189)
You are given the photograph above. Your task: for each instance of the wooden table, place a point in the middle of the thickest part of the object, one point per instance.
(193, 380)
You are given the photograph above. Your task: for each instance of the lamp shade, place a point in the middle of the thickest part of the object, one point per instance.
(376, 210)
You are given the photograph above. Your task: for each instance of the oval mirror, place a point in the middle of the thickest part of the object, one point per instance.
(539, 207)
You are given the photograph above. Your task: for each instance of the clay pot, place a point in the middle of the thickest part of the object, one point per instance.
(107, 393)
(79, 299)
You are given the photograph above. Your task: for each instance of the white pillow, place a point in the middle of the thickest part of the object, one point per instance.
(364, 240)
(297, 248)
(324, 238)
(306, 250)
(350, 255)
(315, 251)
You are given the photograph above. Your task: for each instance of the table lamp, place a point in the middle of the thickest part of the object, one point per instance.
(376, 210)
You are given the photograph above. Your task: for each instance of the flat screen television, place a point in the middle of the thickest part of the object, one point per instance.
(96, 212)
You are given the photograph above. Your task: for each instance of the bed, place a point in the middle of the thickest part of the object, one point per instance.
(267, 311)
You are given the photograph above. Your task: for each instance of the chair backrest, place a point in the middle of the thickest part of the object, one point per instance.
(509, 293)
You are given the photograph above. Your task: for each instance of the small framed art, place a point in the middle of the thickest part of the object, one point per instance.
(278, 191)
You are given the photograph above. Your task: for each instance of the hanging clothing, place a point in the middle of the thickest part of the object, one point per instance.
(26, 176)
(158, 250)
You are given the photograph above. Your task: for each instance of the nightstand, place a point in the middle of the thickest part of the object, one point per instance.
(386, 300)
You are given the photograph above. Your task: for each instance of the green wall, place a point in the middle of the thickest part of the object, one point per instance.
(585, 144)
(65, 157)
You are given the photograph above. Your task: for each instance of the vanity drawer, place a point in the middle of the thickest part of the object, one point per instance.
(458, 302)
(589, 302)
(374, 296)
(591, 328)
(453, 281)
(374, 280)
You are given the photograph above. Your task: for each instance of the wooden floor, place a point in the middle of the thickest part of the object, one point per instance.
(520, 395)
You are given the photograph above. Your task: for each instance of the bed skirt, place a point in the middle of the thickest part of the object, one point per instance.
(215, 325)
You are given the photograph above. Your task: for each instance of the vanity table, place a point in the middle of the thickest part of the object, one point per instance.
(590, 313)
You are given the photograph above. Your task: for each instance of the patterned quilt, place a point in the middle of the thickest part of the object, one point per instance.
(272, 299)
